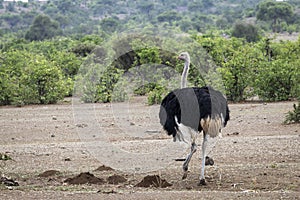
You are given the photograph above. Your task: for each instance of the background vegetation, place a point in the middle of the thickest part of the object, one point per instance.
(43, 45)
(82, 17)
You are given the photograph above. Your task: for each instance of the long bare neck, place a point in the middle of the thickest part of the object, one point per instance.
(185, 73)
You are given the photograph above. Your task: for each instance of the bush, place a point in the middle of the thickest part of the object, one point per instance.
(267, 69)
(247, 31)
(293, 116)
(40, 83)
(156, 95)
(145, 89)
(30, 79)
(273, 81)
(98, 86)
(43, 28)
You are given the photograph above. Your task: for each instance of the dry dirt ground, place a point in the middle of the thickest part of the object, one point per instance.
(257, 158)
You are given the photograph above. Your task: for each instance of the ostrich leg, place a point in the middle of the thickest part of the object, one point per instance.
(202, 177)
(188, 159)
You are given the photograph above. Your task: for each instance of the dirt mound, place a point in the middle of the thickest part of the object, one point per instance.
(49, 173)
(116, 179)
(153, 180)
(104, 168)
(84, 178)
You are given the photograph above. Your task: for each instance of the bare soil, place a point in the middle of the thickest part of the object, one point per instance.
(258, 157)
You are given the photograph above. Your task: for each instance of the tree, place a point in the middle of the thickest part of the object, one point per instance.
(30, 78)
(146, 7)
(10, 7)
(169, 16)
(109, 25)
(12, 20)
(247, 31)
(276, 12)
(65, 6)
(195, 6)
(43, 28)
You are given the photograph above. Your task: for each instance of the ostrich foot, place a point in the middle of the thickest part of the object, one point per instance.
(184, 175)
(202, 182)
(185, 171)
(209, 161)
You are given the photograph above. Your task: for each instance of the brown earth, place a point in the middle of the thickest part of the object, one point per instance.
(257, 158)
(153, 181)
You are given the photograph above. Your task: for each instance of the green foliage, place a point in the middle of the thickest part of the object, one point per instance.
(235, 61)
(94, 17)
(105, 86)
(284, 65)
(156, 95)
(294, 115)
(37, 72)
(267, 69)
(148, 55)
(33, 79)
(41, 72)
(276, 12)
(247, 31)
(168, 16)
(99, 85)
(10, 7)
(67, 62)
(43, 28)
(110, 25)
(273, 81)
(145, 89)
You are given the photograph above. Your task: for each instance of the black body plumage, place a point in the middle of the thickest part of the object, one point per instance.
(189, 106)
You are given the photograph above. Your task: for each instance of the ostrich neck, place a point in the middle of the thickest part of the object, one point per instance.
(185, 74)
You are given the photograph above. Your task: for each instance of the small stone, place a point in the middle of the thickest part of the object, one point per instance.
(189, 187)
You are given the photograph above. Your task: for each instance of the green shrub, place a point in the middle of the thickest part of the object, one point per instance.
(145, 89)
(30, 79)
(156, 95)
(273, 81)
(293, 116)
(98, 85)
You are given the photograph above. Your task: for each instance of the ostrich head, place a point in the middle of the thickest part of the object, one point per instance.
(186, 57)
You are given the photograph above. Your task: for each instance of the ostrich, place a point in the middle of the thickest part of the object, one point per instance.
(186, 57)
(196, 108)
